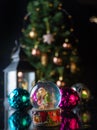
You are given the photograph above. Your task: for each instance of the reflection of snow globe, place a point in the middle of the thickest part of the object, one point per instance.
(45, 98)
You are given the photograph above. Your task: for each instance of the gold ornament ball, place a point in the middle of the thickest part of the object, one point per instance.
(57, 60)
(67, 45)
(32, 34)
(36, 52)
(60, 83)
(85, 94)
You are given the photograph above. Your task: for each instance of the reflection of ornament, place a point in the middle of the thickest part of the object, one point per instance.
(48, 38)
(22, 83)
(19, 99)
(44, 59)
(19, 120)
(45, 95)
(20, 74)
(82, 90)
(85, 117)
(20, 77)
(70, 98)
(70, 121)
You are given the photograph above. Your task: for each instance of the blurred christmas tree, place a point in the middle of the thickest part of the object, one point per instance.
(50, 42)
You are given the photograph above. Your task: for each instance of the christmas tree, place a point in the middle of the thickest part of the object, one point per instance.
(49, 40)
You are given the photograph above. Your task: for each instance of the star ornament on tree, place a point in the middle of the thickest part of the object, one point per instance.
(48, 38)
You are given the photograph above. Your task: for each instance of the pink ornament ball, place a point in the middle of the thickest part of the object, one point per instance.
(69, 100)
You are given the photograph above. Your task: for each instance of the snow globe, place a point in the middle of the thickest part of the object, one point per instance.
(45, 98)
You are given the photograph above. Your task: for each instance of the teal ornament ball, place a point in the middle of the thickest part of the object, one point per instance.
(19, 99)
(19, 120)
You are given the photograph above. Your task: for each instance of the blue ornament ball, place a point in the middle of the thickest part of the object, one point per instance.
(19, 120)
(19, 99)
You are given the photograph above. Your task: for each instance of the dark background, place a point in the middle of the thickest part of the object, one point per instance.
(11, 22)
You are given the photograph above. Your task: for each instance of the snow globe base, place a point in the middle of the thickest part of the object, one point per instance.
(48, 117)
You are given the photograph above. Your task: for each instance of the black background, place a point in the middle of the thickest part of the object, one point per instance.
(11, 22)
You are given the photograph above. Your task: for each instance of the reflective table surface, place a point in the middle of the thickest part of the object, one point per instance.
(83, 117)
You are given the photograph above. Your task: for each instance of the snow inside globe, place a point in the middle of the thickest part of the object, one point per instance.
(45, 95)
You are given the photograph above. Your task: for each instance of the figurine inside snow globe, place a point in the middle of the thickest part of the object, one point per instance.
(45, 95)
(45, 98)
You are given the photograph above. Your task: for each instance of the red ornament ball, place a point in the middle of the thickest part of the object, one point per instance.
(70, 98)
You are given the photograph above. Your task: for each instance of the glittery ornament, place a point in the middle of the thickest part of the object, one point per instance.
(70, 121)
(48, 38)
(70, 99)
(19, 120)
(19, 99)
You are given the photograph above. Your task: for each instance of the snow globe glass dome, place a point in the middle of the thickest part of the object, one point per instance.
(45, 95)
